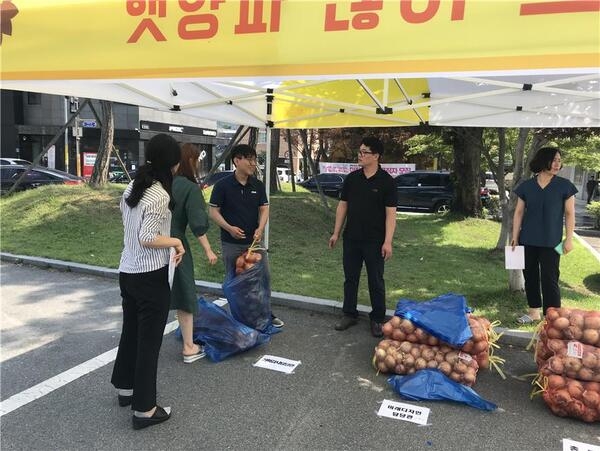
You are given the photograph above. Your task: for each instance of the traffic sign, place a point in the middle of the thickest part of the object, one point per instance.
(88, 123)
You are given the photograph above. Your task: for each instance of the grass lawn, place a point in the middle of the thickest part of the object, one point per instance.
(432, 254)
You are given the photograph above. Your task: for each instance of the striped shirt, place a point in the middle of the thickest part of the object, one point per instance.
(151, 217)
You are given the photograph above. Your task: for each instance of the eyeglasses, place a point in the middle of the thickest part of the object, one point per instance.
(251, 160)
(362, 153)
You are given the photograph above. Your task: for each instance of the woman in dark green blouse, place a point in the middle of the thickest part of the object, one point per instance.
(190, 210)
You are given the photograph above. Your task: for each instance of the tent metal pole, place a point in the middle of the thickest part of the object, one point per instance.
(268, 180)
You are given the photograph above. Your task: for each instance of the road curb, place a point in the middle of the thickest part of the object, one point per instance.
(509, 337)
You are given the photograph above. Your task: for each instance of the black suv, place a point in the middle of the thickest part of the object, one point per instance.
(431, 190)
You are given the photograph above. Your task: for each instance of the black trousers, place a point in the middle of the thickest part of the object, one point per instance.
(542, 269)
(146, 300)
(355, 253)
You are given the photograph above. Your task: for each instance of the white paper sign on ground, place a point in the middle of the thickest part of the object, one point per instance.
(272, 362)
(402, 411)
(572, 445)
(514, 259)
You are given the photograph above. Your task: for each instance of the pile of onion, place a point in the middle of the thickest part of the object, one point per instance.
(573, 324)
(404, 357)
(573, 360)
(479, 346)
(568, 397)
(248, 259)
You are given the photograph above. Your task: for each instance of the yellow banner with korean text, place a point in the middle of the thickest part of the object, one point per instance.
(115, 39)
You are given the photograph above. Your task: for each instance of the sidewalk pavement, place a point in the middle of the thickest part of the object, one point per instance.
(584, 227)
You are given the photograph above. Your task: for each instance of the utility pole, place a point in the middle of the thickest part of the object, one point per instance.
(66, 155)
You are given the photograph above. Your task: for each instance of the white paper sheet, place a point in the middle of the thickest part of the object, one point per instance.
(171, 266)
(514, 259)
(404, 412)
(274, 363)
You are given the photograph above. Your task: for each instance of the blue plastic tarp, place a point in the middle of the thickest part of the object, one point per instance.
(433, 385)
(444, 317)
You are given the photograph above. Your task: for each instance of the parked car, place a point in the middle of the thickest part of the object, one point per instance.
(205, 182)
(14, 161)
(430, 190)
(121, 177)
(331, 183)
(36, 176)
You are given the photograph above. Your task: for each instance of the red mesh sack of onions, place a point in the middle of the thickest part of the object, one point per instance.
(573, 324)
(479, 346)
(572, 359)
(404, 357)
(568, 397)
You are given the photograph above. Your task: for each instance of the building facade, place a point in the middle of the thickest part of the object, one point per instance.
(31, 121)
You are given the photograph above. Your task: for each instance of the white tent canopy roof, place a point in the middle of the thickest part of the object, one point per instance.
(553, 100)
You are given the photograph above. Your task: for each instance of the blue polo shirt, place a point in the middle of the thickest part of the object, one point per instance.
(239, 205)
(543, 220)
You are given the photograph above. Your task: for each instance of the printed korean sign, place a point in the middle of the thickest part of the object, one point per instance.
(215, 38)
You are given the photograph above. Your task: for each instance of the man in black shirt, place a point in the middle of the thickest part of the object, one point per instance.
(368, 207)
(591, 188)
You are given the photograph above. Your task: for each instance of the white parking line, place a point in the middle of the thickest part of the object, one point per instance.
(62, 379)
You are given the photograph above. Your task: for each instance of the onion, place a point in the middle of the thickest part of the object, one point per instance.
(468, 347)
(412, 338)
(575, 389)
(591, 399)
(589, 415)
(591, 336)
(460, 367)
(589, 360)
(428, 354)
(432, 363)
(555, 364)
(381, 366)
(380, 354)
(445, 368)
(420, 363)
(440, 357)
(469, 377)
(405, 346)
(387, 329)
(432, 341)
(390, 362)
(400, 369)
(556, 346)
(591, 322)
(562, 397)
(551, 315)
(408, 361)
(395, 321)
(553, 333)
(455, 376)
(415, 352)
(407, 326)
(560, 324)
(585, 374)
(576, 319)
(572, 364)
(421, 335)
(572, 333)
(451, 357)
(555, 381)
(398, 335)
(480, 346)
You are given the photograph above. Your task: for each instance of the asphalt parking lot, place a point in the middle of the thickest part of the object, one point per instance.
(54, 322)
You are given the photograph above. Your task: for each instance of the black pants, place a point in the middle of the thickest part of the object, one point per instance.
(542, 267)
(355, 253)
(146, 300)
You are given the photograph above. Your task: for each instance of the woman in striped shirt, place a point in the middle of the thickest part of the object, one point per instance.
(143, 279)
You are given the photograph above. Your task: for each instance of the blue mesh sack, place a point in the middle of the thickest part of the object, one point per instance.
(433, 385)
(249, 297)
(221, 334)
(444, 317)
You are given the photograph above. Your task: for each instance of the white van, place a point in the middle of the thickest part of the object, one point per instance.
(284, 175)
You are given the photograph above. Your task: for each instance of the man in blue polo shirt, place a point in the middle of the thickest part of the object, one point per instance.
(239, 206)
(368, 207)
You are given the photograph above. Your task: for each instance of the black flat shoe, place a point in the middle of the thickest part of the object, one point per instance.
(159, 416)
(125, 401)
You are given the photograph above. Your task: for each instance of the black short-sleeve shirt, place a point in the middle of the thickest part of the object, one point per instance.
(239, 205)
(544, 211)
(367, 200)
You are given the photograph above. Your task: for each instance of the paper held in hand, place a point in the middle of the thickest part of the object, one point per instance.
(171, 266)
(514, 259)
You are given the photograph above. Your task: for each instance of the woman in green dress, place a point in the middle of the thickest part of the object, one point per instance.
(190, 210)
